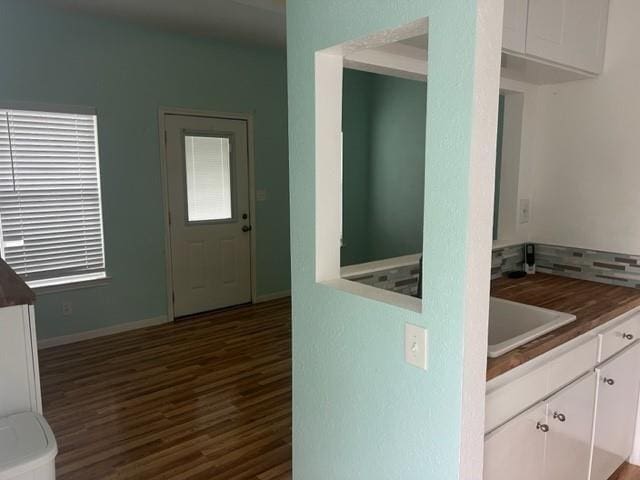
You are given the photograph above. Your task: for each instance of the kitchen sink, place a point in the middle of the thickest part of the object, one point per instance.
(512, 324)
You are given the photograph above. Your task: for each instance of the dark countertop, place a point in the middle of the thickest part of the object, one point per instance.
(13, 290)
(592, 303)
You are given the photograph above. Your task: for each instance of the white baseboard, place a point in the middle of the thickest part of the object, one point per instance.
(100, 332)
(272, 296)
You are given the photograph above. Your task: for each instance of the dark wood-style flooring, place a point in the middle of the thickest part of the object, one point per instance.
(205, 398)
(627, 472)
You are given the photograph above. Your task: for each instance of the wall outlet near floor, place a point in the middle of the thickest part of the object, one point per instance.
(415, 345)
(525, 211)
(67, 309)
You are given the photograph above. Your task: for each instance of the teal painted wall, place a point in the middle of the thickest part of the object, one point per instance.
(359, 411)
(384, 138)
(127, 72)
(357, 105)
(397, 172)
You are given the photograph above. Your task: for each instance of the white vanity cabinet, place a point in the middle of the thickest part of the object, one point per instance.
(19, 373)
(552, 440)
(616, 411)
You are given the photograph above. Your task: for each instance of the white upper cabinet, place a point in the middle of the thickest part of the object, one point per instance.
(568, 32)
(515, 25)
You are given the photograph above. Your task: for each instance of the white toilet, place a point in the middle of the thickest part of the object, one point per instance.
(28, 448)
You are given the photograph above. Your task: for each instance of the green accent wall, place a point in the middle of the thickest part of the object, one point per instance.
(383, 157)
(360, 411)
(127, 72)
(357, 106)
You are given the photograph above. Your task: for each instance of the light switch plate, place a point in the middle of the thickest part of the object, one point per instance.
(415, 345)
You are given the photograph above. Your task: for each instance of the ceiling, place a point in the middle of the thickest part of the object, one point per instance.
(260, 22)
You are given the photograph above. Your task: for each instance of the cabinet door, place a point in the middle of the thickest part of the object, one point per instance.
(546, 29)
(615, 412)
(18, 387)
(585, 33)
(515, 25)
(570, 418)
(516, 450)
(570, 32)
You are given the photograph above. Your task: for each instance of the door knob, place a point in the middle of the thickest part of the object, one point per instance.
(542, 427)
(246, 228)
(559, 416)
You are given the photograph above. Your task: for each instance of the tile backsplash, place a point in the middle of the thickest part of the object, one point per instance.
(584, 264)
(594, 265)
(398, 279)
(506, 259)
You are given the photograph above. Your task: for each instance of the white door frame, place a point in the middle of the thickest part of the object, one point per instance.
(248, 117)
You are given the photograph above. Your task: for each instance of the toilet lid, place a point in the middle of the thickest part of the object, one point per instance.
(26, 442)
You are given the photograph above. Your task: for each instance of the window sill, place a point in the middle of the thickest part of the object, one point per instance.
(72, 285)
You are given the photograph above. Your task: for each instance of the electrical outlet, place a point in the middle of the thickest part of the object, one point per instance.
(67, 309)
(525, 210)
(415, 345)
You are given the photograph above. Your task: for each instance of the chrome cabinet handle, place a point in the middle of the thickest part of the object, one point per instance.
(561, 417)
(608, 381)
(544, 428)
(627, 336)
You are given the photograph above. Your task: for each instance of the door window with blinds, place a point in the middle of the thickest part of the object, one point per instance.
(50, 208)
(208, 177)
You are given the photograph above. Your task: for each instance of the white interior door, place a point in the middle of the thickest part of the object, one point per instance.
(208, 183)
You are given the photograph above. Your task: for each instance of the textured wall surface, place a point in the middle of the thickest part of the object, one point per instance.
(384, 155)
(361, 412)
(127, 73)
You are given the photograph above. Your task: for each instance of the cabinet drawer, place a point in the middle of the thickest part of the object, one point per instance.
(514, 397)
(572, 364)
(619, 336)
(507, 401)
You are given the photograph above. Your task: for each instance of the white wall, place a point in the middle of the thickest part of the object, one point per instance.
(518, 158)
(586, 187)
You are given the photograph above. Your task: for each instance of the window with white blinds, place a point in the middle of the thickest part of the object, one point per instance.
(50, 209)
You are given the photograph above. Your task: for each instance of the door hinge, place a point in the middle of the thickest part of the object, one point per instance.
(165, 138)
(169, 217)
(173, 297)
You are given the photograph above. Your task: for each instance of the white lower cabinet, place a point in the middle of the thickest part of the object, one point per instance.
(615, 412)
(570, 420)
(516, 450)
(580, 430)
(551, 441)
(19, 371)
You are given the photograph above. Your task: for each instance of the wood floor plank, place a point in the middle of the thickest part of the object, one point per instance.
(205, 398)
(627, 472)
